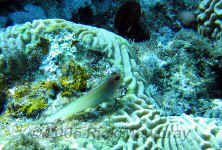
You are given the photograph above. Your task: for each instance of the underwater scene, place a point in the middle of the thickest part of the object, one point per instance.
(110, 74)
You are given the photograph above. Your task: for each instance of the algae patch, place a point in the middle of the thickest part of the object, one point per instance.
(29, 100)
(73, 78)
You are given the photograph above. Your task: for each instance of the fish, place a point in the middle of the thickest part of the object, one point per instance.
(93, 98)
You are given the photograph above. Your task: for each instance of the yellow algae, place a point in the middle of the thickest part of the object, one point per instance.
(74, 77)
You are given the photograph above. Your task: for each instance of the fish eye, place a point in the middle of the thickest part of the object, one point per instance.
(117, 78)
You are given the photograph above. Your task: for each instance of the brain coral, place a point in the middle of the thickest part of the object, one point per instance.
(209, 18)
(143, 126)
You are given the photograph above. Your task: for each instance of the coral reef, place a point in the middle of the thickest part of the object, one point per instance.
(215, 111)
(136, 123)
(208, 16)
(23, 142)
(17, 56)
(149, 130)
(153, 14)
(157, 14)
(181, 76)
